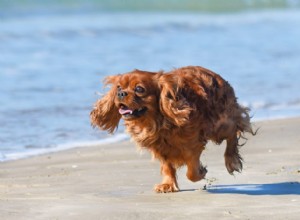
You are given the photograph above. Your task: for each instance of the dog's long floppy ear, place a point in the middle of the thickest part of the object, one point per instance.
(105, 114)
(173, 103)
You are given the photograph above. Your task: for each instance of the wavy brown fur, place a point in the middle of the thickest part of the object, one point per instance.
(185, 108)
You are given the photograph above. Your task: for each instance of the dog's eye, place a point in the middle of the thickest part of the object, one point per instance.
(139, 89)
(119, 88)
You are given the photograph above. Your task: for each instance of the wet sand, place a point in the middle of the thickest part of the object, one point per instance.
(116, 182)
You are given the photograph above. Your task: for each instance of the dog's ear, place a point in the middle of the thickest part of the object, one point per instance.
(173, 102)
(105, 114)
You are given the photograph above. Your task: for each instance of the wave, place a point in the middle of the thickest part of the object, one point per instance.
(15, 155)
(267, 110)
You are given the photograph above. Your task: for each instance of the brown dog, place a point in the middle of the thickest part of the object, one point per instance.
(173, 115)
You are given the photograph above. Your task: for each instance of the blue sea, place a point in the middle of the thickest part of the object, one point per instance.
(53, 60)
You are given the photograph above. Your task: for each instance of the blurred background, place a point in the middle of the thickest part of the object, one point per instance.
(55, 53)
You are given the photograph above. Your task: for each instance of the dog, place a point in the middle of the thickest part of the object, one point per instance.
(173, 115)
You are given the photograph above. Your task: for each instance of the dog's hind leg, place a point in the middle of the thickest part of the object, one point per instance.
(233, 159)
(169, 183)
(195, 170)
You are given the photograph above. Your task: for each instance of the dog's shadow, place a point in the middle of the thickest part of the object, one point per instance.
(285, 188)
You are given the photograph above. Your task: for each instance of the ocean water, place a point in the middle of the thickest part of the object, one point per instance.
(52, 65)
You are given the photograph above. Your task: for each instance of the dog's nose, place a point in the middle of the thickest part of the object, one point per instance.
(122, 94)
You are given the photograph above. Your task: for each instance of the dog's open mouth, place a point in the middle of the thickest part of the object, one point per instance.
(130, 113)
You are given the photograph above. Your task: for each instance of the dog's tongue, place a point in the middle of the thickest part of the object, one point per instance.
(124, 111)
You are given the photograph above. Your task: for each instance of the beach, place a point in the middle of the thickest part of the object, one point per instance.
(115, 181)
(54, 58)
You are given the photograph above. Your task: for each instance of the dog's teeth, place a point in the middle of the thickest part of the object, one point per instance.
(140, 109)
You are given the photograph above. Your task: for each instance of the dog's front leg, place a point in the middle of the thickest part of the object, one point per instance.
(169, 183)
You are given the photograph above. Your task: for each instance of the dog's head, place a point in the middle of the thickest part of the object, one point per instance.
(132, 96)
(141, 95)
(137, 94)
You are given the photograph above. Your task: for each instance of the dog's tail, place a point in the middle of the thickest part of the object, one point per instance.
(244, 124)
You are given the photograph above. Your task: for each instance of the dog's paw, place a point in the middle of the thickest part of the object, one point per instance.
(234, 163)
(203, 171)
(165, 188)
(196, 175)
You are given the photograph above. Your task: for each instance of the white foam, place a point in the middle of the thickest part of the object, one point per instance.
(34, 152)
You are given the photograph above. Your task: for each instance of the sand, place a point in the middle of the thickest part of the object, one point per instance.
(116, 182)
